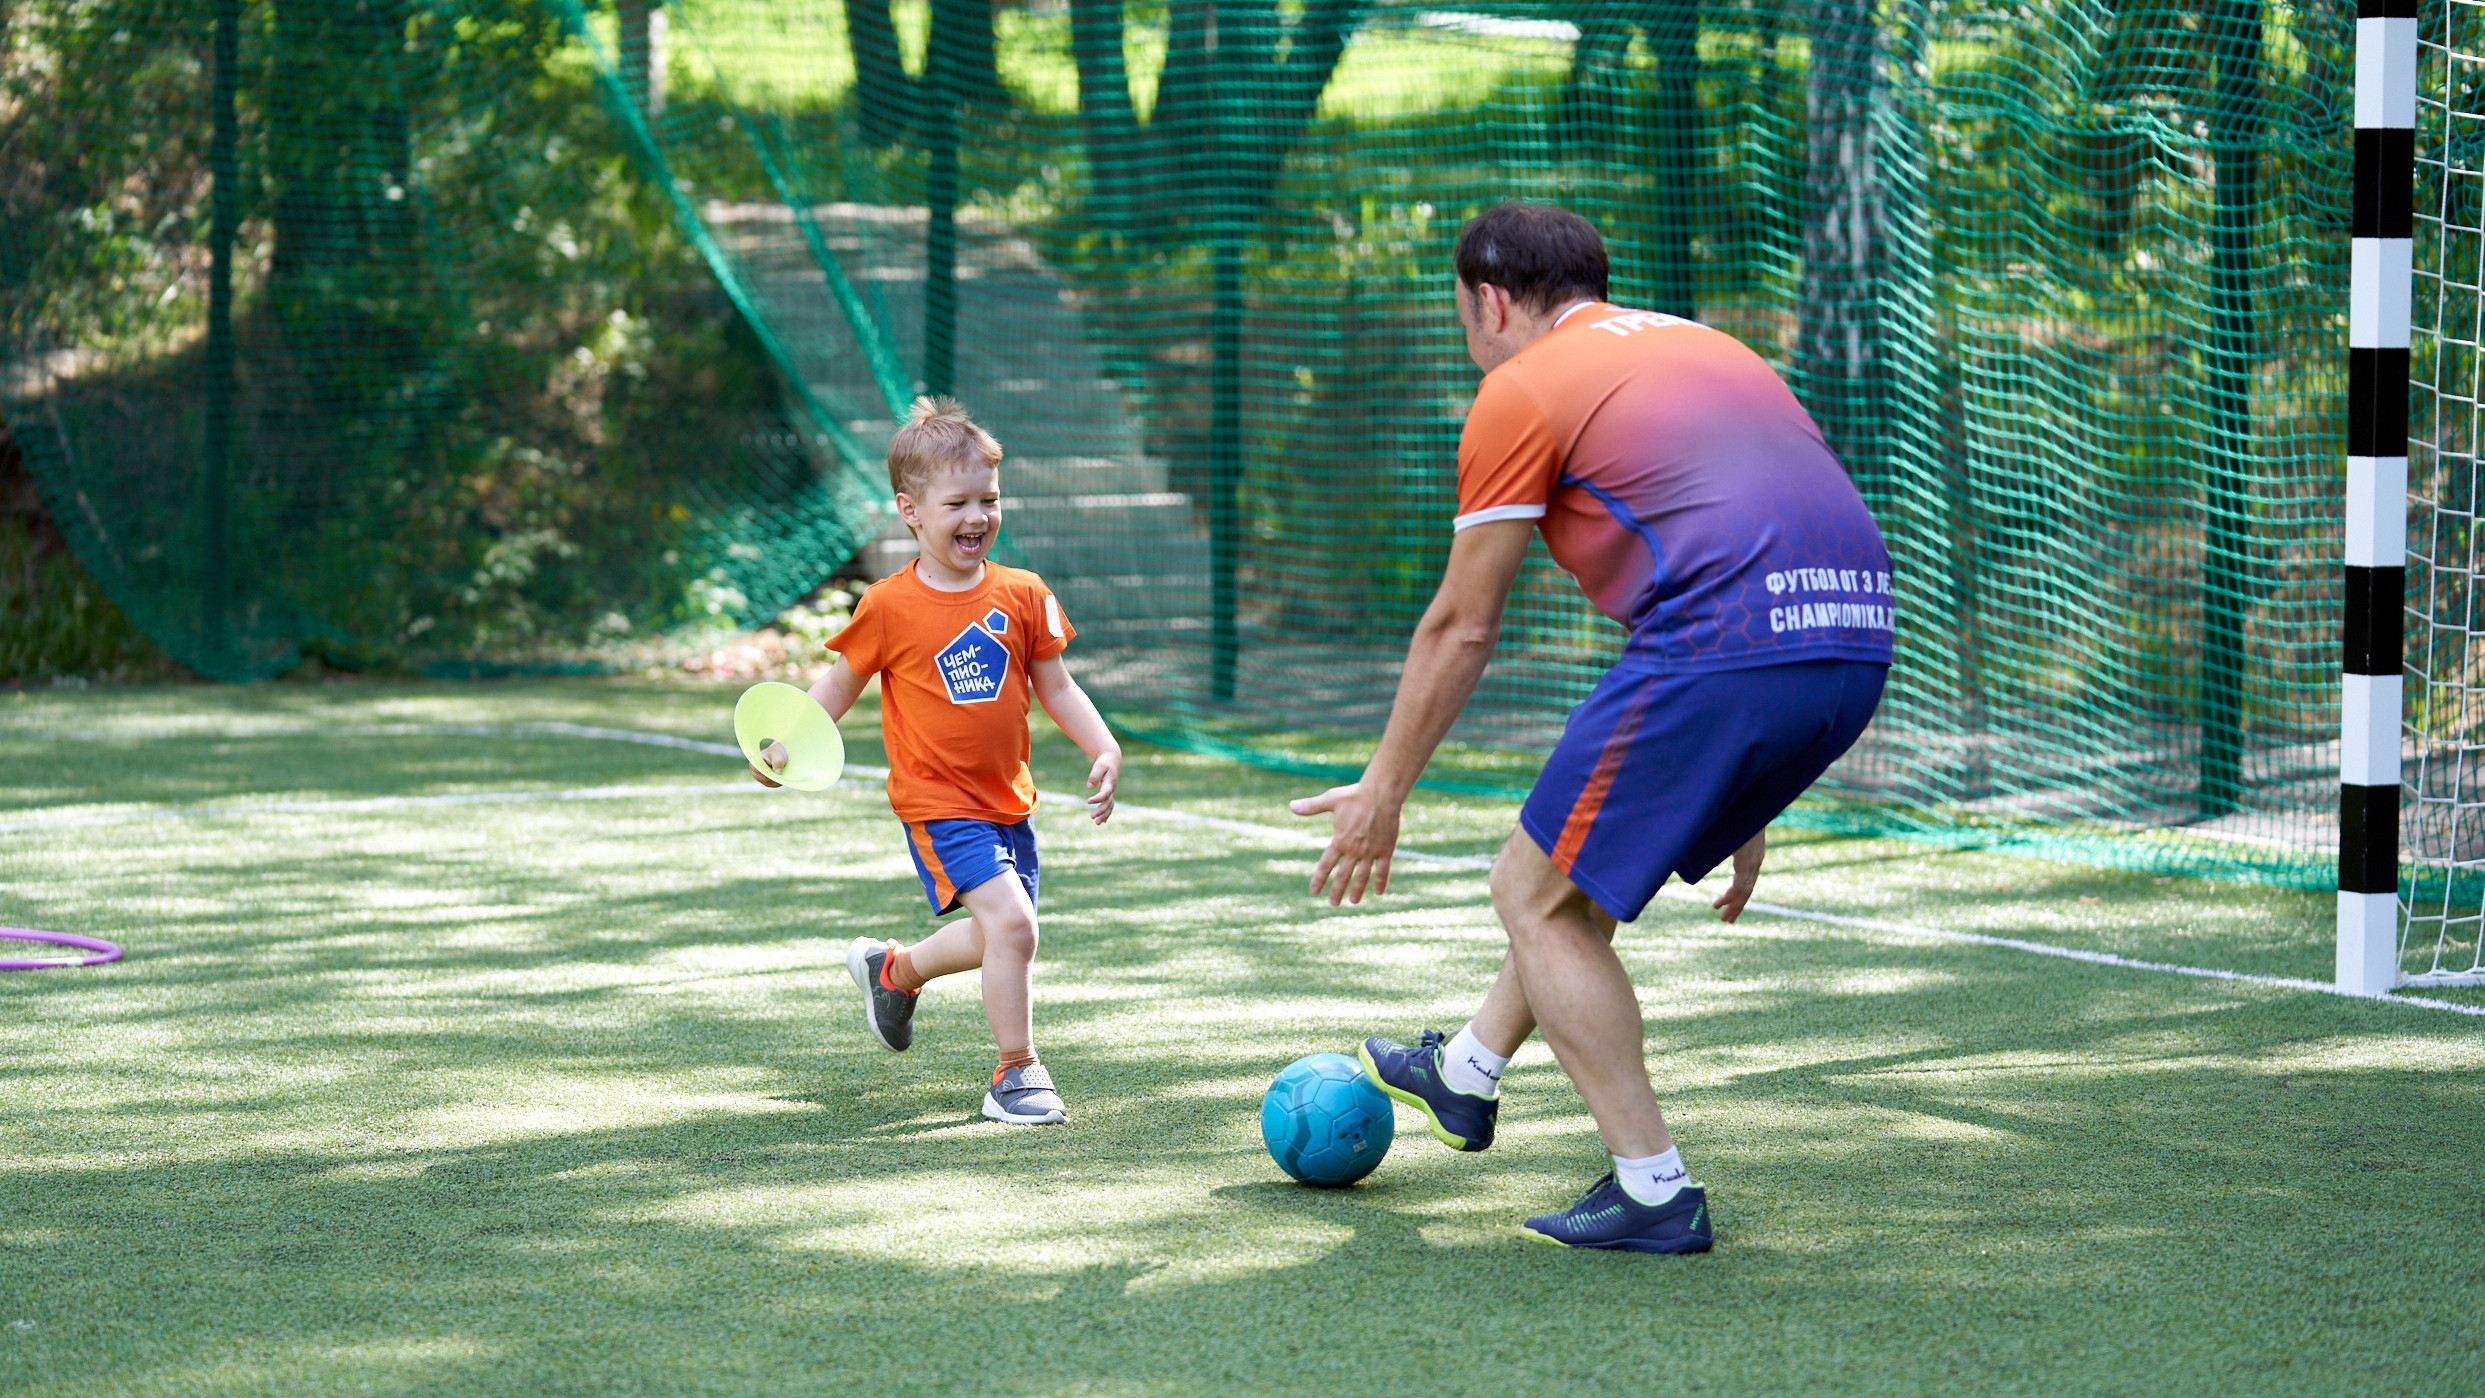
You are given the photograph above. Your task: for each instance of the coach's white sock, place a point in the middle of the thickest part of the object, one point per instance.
(1652, 1179)
(1469, 1067)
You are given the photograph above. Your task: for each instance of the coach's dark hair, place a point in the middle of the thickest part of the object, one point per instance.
(1544, 255)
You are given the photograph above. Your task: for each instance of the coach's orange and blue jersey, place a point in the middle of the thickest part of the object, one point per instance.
(1673, 474)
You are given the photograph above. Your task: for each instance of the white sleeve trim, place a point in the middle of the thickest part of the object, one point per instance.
(1497, 512)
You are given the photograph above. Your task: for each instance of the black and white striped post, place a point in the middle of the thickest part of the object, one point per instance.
(2377, 436)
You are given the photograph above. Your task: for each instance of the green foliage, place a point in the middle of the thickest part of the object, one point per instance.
(489, 401)
(55, 623)
(811, 622)
(2099, 283)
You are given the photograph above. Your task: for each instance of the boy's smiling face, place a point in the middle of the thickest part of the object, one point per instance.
(954, 519)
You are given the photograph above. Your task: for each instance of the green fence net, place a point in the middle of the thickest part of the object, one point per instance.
(361, 330)
(553, 318)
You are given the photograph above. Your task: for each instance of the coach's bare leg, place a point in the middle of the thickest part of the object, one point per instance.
(1568, 978)
(1000, 937)
(1503, 1022)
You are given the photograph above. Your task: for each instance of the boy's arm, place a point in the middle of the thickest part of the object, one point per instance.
(1075, 714)
(836, 692)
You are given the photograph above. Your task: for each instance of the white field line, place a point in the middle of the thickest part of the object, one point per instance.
(1299, 838)
(2097, 958)
(77, 820)
(1305, 837)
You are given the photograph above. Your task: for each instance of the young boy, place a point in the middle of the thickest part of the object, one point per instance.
(960, 644)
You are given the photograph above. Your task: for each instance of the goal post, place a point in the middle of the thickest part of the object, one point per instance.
(2412, 753)
(2371, 699)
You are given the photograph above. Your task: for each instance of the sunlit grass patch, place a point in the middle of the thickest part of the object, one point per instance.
(570, 1096)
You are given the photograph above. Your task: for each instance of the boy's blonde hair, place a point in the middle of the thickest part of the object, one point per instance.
(937, 433)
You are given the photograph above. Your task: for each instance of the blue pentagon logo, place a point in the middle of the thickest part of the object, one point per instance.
(973, 666)
(997, 622)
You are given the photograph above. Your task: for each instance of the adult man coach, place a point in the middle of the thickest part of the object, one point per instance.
(1675, 477)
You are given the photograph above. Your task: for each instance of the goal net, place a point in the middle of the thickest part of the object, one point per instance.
(550, 322)
(2442, 885)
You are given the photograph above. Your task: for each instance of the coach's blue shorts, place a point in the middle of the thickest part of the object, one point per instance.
(953, 856)
(1671, 774)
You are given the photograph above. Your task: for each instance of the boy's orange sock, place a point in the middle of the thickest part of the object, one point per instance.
(897, 971)
(1024, 1057)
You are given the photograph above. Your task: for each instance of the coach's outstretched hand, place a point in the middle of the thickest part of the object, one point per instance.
(1358, 854)
(1729, 905)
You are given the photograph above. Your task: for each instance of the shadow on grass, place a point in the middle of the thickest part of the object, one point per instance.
(573, 1100)
(2135, 1184)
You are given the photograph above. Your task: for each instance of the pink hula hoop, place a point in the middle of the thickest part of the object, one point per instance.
(104, 951)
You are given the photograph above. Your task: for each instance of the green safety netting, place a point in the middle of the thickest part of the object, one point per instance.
(370, 337)
(2065, 284)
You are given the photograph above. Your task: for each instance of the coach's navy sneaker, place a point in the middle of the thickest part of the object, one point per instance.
(1024, 1097)
(887, 1011)
(1413, 1076)
(1610, 1218)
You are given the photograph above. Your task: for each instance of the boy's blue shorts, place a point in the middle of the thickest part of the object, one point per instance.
(1671, 774)
(952, 856)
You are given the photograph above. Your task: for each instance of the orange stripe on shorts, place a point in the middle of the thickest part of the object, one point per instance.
(1583, 812)
(943, 891)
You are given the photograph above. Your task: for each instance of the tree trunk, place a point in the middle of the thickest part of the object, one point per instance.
(942, 80)
(1592, 93)
(1225, 468)
(1106, 121)
(884, 96)
(2229, 461)
(642, 54)
(962, 32)
(1843, 230)
(1673, 29)
(224, 221)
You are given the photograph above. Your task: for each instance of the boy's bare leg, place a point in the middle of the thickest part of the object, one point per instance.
(1565, 974)
(999, 935)
(952, 947)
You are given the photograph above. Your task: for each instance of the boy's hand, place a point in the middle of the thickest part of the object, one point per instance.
(776, 757)
(1103, 779)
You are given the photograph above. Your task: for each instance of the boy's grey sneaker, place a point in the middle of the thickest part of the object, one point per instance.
(1024, 1097)
(888, 1013)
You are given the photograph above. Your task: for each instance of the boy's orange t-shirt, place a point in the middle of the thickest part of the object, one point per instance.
(956, 678)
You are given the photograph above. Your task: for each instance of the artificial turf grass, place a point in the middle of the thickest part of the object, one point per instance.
(82, 752)
(570, 1098)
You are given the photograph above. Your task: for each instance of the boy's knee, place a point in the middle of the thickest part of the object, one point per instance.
(1014, 931)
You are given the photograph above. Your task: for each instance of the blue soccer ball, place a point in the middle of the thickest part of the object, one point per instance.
(1324, 1121)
